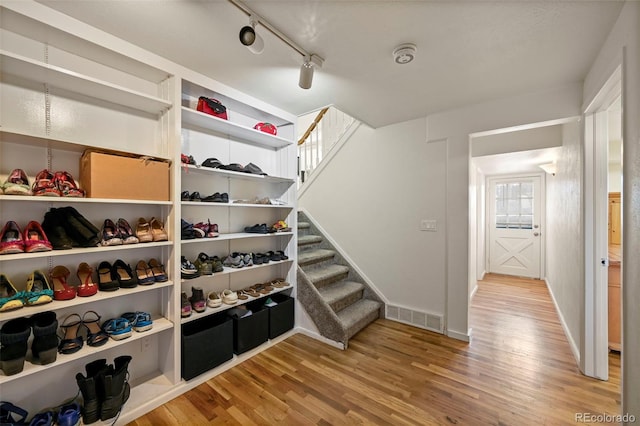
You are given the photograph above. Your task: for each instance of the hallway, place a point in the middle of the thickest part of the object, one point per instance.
(518, 370)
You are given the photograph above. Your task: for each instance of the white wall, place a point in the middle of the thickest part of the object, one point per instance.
(522, 140)
(371, 197)
(379, 186)
(623, 47)
(564, 251)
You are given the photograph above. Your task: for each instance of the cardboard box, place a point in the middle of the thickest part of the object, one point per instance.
(106, 175)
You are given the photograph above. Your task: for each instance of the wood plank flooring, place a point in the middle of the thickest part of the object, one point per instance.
(517, 370)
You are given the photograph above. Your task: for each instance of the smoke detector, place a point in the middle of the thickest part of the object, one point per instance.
(404, 53)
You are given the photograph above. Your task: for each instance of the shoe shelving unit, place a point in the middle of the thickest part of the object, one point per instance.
(66, 87)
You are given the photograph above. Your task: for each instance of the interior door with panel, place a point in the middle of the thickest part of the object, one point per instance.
(514, 222)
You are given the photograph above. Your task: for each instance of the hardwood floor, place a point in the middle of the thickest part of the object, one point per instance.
(517, 370)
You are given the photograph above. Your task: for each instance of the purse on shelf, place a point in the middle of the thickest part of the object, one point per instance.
(267, 128)
(212, 107)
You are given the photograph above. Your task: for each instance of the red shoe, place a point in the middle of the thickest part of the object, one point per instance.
(67, 185)
(87, 287)
(61, 290)
(45, 185)
(35, 239)
(11, 240)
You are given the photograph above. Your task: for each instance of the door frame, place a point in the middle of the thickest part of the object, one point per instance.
(543, 215)
(595, 345)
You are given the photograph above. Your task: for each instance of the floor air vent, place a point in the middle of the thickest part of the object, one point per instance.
(415, 318)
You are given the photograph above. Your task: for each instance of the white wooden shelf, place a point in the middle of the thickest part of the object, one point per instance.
(77, 301)
(73, 200)
(235, 175)
(9, 135)
(52, 253)
(159, 325)
(40, 72)
(210, 311)
(195, 119)
(228, 270)
(232, 204)
(234, 236)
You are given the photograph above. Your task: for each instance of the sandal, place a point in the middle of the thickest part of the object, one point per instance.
(11, 241)
(71, 342)
(67, 185)
(251, 292)
(39, 290)
(87, 287)
(8, 413)
(44, 185)
(140, 321)
(35, 239)
(157, 269)
(117, 328)
(95, 335)
(61, 290)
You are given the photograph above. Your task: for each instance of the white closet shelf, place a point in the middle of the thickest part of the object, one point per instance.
(199, 120)
(62, 78)
(22, 256)
(76, 301)
(227, 270)
(72, 200)
(235, 175)
(234, 236)
(270, 206)
(159, 325)
(210, 311)
(8, 135)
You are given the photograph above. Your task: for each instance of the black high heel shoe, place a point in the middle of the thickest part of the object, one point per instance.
(95, 335)
(71, 342)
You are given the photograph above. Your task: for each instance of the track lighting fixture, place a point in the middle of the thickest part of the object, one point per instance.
(250, 38)
(253, 41)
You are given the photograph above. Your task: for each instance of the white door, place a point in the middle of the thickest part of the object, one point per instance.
(515, 226)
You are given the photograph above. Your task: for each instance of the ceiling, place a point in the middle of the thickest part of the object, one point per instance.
(468, 51)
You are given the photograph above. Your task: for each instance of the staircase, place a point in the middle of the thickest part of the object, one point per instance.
(334, 295)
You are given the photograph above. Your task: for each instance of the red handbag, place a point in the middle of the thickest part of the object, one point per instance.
(212, 107)
(267, 128)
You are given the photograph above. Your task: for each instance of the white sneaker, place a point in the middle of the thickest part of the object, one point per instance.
(229, 297)
(213, 300)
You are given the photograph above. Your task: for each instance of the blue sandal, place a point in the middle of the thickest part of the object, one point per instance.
(8, 413)
(117, 328)
(141, 321)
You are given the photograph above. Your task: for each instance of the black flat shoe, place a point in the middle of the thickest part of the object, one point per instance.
(107, 281)
(124, 274)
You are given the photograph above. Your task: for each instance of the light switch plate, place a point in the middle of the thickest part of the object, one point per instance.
(428, 225)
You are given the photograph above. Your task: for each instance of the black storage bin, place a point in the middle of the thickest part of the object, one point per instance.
(206, 343)
(252, 331)
(281, 316)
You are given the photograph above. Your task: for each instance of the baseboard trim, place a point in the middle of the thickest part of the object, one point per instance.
(572, 343)
(320, 338)
(465, 337)
(473, 292)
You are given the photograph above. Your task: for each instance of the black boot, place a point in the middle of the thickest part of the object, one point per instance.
(13, 337)
(79, 228)
(45, 340)
(54, 228)
(114, 387)
(89, 389)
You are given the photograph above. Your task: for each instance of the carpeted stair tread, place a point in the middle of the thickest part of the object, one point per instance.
(315, 256)
(309, 239)
(327, 273)
(303, 225)
(337, 292)
(357, 316)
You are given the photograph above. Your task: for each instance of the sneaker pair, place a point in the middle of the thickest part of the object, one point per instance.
(187, 269)
(210, 230)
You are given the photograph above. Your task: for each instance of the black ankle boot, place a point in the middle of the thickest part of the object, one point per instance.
(13, 338)
(45, 340)
(79, 228)
(88, 388)
(113, 385)
(53, 227)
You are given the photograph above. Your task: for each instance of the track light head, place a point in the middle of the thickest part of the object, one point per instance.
(306, 74)
(251, 39)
